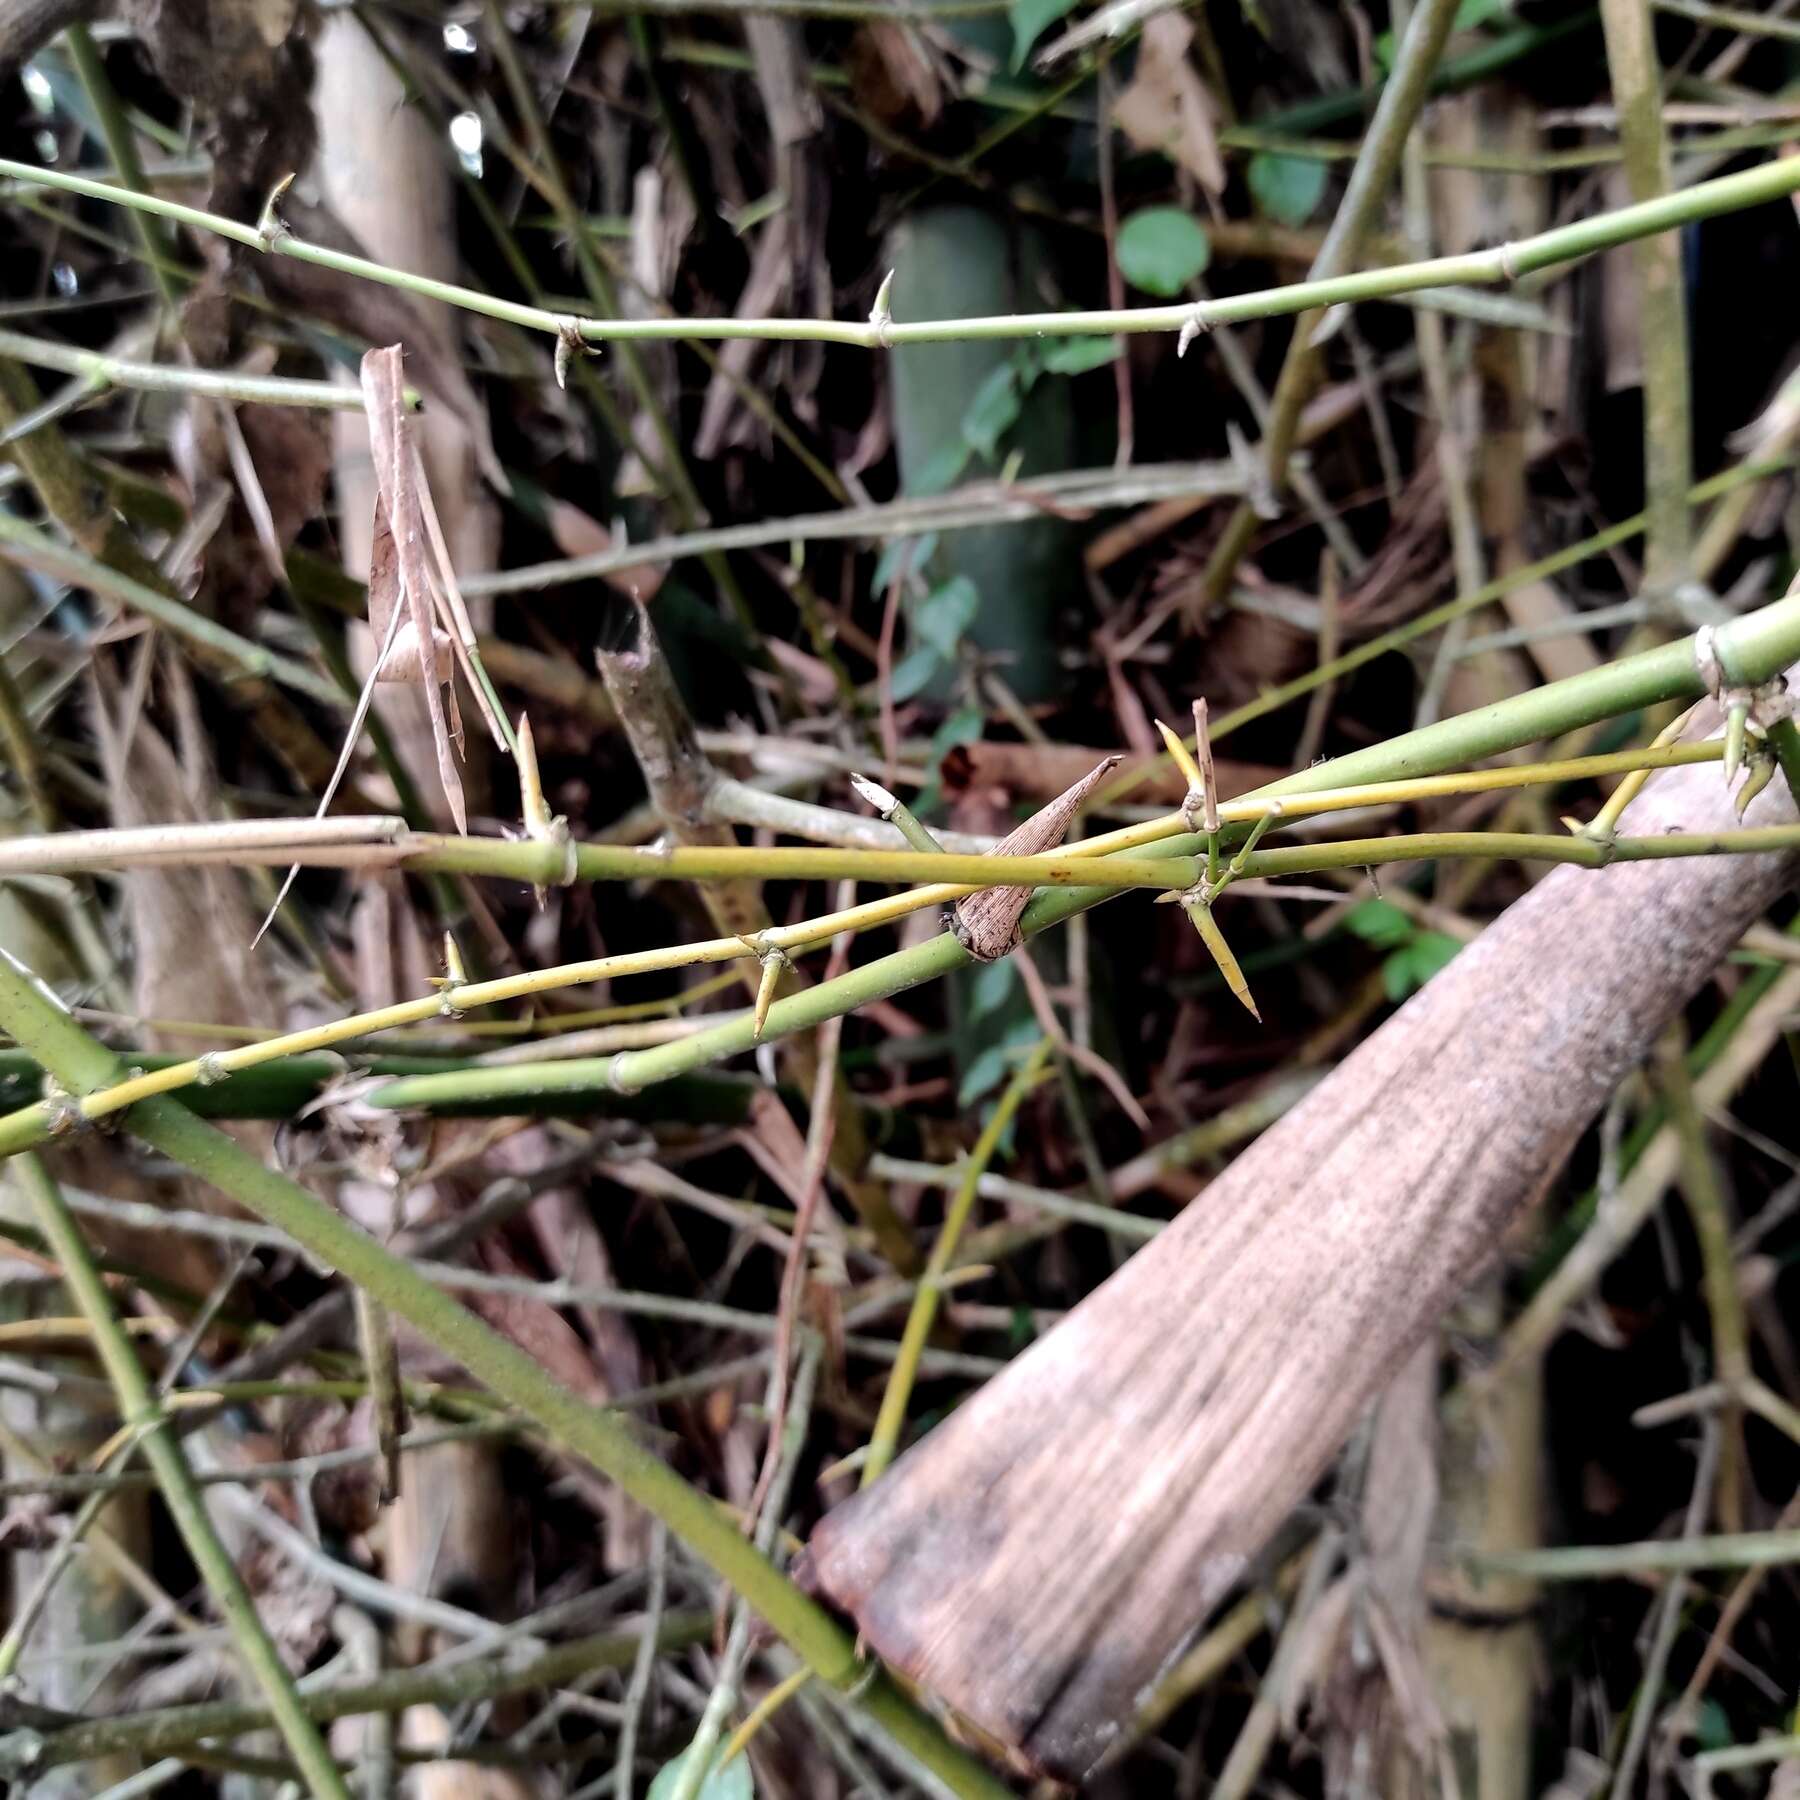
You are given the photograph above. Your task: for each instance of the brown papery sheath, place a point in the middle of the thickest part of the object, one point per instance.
(1039, 1557)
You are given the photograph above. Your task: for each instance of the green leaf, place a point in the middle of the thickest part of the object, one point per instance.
(913, 674)
(1713, 1726)
(964, 727)
(942, 468)
(944, 616)
(1416, 961)
(902, 553)
(991, 987)
(1287, 188)
(1029, 20)
(1469, 15)
(1432, 951)
(982, 1075)
(1076, 355)
(1398, 976)
(1381, 923)
(992, 411)
(733, 1782)
(992, 1066)
(1162, 249)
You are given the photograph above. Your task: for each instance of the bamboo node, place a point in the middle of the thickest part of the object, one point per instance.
(1757, 707)
(613, 1078)
(1507, 258)
(569, 339)
(1195, 323)
(210, 1070)
(62, 1112)
(880, 314)
(271, 227)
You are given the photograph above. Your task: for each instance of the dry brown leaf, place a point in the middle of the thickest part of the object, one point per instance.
(398, 484)
(1166, 106)
(987, 924)
(894, 72)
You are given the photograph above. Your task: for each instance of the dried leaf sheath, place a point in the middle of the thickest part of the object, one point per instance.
(400, 569)
(987, 923)
(1042, 1554)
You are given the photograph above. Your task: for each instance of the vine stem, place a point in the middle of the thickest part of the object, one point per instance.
(81, 1064)
(1505, 263)
(145, 1418)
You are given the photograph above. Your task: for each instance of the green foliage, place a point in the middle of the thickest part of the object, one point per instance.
(994, 409)
(1470, 15)
(1161, 249)
(1414, 953)
(1076, 355)
(1030, 19)
(733, 1782)
(996, 1026)
(944, 616)
(991, 1066)
(1287, 189)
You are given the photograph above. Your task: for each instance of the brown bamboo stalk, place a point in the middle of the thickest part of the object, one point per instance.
(1040, 1556)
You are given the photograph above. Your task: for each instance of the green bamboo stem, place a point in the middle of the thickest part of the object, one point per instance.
(104, 371)
(1754, 647)
(1435, 846)
(218, 642)
(81, 1064)
(1565, 243)
(1662, 308)
(171, 1729)
(631, 1070)
(141, 1413)
(884, 1440)
(1672, 1556)
(121, 145)
(289, 1059)
(1273, 699)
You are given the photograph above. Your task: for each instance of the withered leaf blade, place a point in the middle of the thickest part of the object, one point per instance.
(987, 924)
(1040, 1556)
(397, 497)
(385, 601)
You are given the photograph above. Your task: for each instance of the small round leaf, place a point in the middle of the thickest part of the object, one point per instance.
(1162, 249)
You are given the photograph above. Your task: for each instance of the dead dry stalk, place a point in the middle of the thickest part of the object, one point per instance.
(1046, 1551)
